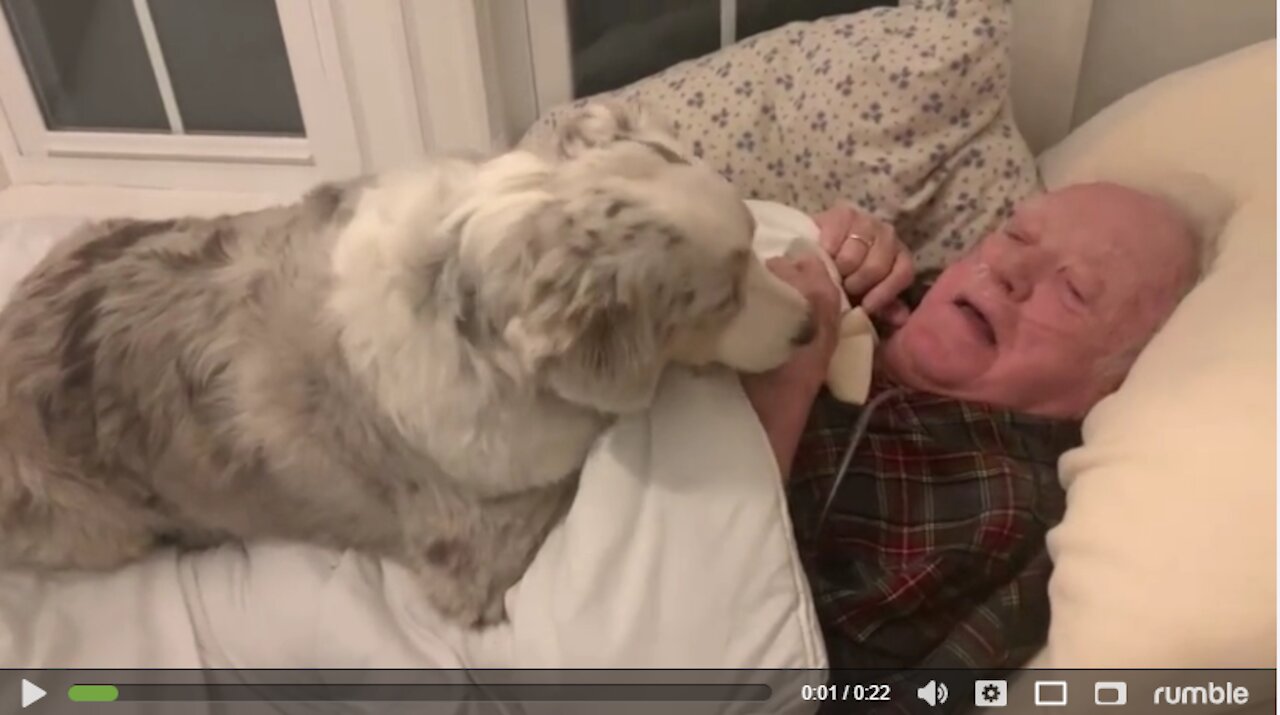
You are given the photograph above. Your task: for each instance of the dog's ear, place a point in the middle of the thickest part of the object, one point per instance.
(603, 122)
(597, 311)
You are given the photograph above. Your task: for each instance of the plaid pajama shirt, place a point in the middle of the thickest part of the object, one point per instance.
(933, 554)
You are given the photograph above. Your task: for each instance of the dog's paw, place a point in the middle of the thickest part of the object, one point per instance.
(469, 607)
(457, 588)
(494, 613)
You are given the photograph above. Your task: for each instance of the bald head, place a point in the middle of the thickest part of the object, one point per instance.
(1145, 230)
(1048, 313)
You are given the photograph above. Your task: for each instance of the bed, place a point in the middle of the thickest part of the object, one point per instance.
(679, 554)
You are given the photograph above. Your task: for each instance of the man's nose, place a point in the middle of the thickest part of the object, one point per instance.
(1013, 277)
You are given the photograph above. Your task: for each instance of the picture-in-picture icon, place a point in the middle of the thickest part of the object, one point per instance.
(1110, 693)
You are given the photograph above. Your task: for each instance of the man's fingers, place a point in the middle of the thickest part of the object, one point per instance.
(853, 252)
(866, 237)
(778, 263)
(808, 274)
(833, 226)
(807, 261)
(875, 266)
(898, 279)
(815, 271)
(793, 271)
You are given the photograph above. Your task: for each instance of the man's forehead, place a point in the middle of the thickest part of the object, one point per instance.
(1028, 209)
(1124, 237)
(1106, 214)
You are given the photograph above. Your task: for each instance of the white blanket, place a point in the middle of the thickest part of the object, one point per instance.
(677, 553)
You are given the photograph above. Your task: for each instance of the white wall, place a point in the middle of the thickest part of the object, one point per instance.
(1048, 46)
(1072, 58)
(1132, 42)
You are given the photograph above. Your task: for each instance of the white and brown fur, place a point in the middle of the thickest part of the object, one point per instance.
(413, 365)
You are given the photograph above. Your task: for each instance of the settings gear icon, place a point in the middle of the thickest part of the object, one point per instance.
(991, 693)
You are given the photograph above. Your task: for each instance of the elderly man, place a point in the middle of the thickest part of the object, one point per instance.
(930, 553)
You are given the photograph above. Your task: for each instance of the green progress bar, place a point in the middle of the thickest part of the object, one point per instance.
(93, 693)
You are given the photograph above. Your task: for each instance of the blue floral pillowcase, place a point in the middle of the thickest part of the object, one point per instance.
(903, 111)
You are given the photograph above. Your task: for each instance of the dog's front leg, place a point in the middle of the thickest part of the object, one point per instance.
(455, 578)
(467, 551)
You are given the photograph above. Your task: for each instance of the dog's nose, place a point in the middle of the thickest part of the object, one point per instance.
(805, 335)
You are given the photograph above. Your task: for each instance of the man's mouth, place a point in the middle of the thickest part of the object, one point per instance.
(977, 319)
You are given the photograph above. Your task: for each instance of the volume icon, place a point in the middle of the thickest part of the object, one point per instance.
(932, 692)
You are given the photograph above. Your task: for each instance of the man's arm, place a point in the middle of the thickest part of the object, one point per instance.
(782, 401)
(782, 397)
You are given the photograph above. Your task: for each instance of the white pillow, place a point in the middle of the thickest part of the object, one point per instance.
(1166, 556)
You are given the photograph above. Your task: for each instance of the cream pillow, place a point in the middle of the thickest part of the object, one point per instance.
(1166, 557)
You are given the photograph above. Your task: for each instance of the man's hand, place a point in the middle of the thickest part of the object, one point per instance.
(874, 265)
(806, 273)
(782, 397)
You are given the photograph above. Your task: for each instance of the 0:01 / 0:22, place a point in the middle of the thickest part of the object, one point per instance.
(857, 693)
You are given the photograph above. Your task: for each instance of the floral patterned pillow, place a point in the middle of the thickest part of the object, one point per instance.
(902, 110)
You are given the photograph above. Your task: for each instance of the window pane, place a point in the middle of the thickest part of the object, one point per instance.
(228, 64)
(87, 63)
(616, 42)
(756, 16)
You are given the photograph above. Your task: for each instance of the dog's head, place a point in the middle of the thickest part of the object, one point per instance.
(617, 257)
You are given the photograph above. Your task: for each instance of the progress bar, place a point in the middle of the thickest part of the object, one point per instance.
(420, 692)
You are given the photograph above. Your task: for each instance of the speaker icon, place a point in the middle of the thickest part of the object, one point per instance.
(932, 692)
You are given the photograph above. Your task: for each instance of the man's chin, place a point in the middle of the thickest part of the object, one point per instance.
(949, 379)
(928, 364)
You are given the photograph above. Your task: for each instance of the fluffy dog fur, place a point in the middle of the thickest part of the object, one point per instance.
(414, 365)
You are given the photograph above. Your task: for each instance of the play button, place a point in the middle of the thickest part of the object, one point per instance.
(31, 692)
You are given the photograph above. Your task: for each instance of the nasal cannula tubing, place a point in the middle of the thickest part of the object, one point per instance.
(859, 431)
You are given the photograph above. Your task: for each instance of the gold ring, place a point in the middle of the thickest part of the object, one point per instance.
(868, 242)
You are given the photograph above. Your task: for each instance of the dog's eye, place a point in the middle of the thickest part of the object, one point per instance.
(670, 156)
(615, 208)
(730, 301)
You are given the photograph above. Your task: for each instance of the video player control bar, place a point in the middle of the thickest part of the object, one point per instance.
(420, 692)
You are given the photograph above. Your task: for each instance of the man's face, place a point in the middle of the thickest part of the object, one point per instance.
(1044, 314)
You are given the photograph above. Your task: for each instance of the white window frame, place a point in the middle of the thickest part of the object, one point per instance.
(331, 148)
(448, 42)
(381, 84)
(551, 52)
